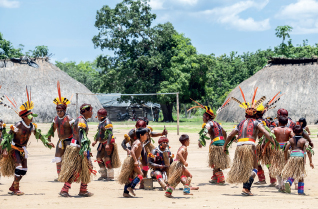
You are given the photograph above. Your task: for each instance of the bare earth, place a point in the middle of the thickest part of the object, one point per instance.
(42, 192)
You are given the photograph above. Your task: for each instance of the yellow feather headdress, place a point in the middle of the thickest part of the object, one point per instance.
(61, 100)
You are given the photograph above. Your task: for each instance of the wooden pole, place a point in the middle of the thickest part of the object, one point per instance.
(177, 113)
(76, 110)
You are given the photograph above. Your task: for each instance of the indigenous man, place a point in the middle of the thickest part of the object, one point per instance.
(283, 134)
(131, 165)
(131, 137)
(107, 152)
(62, 123)
(2, 132)
(177, 170)
(76, 164)
(245, 159)
(159, 161)
(295, 166)
(15, 154)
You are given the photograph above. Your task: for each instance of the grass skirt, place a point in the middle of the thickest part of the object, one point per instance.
(218, 158)
(127, 170)
(149, 147)
(175, 173)
(7, 165)
(242, 166)
(267, 157)
(74, 168)
(294, 168)
(115, 157)
(277, 163)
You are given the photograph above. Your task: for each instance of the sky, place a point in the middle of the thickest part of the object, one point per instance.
(218, 27)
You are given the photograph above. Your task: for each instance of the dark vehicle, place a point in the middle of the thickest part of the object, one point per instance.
(124, 116)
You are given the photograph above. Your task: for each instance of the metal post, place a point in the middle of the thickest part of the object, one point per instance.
(76, 110)
(177, 113)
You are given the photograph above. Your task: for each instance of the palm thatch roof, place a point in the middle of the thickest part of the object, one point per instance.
(298, 82)
(42, 80)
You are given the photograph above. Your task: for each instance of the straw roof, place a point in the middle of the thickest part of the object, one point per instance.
(299, 82)
(15, 76)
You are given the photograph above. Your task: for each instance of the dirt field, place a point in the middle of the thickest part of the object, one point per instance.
(42, 192)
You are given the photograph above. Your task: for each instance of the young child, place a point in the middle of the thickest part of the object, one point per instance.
(177, 170)
(295, 166)
(131, 165)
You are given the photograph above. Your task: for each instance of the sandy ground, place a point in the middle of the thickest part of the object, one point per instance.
(42, 192)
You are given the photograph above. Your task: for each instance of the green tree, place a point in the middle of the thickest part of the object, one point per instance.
(148, 59)
(8, 51)
(86, 73)
(283, 31)
(40, 51)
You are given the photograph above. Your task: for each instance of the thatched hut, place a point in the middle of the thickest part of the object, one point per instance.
(42, 80)
(296, 78)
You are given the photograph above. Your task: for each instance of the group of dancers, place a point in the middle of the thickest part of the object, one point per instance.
(282, 147)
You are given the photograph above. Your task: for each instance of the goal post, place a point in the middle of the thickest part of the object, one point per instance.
(150, 94)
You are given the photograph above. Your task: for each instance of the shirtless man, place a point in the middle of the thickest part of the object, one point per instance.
(131, 164)
(283, 134)
(62, 123)
(295, 166)
(15, 145)
(175, 176)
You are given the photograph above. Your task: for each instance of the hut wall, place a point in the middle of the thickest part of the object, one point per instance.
(299, 83)
(42, 80)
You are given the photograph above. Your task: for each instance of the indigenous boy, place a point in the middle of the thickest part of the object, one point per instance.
(62, 123)
(177, 170)
(131, 165)
(218, 160)
(107, 152)
(283, 134)
(132, 136)
(15, 154)
(159, 161)
(295, 166)
(76, 164)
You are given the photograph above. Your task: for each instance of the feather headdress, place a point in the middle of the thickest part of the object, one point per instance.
(207, 109)
(250, 108)
(270, 104)
(60, 100)
(27, 106)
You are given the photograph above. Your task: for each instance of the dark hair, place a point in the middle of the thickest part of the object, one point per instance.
(61, 107)
(1, 120)
(141, 123)
(183, 138)
(141, 132)
(304, 122)
(102, 112)
(85, 107)
(298, 129)
(283, 120)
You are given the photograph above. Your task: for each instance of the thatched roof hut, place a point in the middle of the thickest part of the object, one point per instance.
(42, 80)
(297, 78)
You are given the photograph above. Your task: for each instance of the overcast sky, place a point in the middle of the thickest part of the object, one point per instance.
(67, 26)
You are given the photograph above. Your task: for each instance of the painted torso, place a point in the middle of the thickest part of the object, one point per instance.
(101, 130)
(214, 129)
(63, 126)
(248, 129)
(78, 120)
(22, 133)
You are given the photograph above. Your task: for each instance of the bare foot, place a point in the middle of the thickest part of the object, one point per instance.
(131, 190)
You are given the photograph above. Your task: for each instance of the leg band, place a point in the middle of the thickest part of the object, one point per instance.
(145, 168)
(58, 159)
(108, 162)
(290, 181)
(159, 177)
(140, 177)
(301, 187)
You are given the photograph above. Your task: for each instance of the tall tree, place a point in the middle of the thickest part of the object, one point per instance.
(148, 59)
(283, 31)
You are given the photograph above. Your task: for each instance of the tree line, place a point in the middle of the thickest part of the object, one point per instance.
(159, 59)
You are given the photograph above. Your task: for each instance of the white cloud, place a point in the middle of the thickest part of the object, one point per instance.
(65, 59)
(156, 4)
(302, 16)
(229, 15)
(9, 4)
(189, 2)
